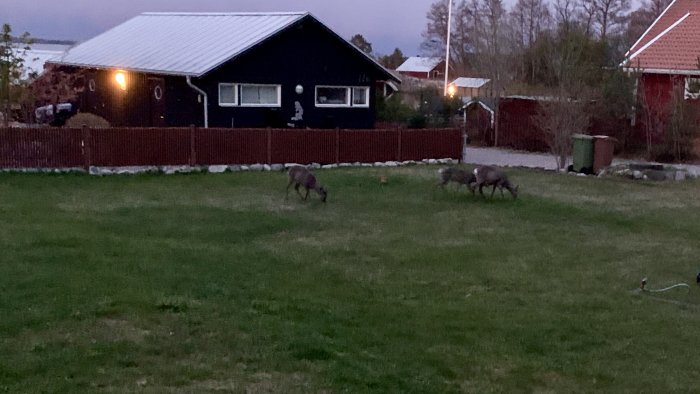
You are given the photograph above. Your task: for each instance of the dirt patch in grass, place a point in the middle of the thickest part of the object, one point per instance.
(117, 330)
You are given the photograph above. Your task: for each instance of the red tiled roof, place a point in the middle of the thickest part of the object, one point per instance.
(673, 40)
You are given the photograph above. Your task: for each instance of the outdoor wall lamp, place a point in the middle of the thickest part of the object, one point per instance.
(120, 78)
(299, 89)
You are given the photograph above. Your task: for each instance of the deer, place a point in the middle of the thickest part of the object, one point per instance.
(301, 176)
(490, 176)
(459, 176)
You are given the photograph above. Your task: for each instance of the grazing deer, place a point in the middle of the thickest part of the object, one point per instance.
(301, 176)
(490, 176)
(461, 177)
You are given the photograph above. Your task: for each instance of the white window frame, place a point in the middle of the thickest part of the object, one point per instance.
(350, 95)
(352, 99)
(276, 105)
(235, 94)
(688, 94)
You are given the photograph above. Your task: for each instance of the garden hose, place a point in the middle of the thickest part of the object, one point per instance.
(642, 286)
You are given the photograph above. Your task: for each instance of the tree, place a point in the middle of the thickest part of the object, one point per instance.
(642, 18)
(570, 64)
(528, 20)
(361, 42)
(587, 12)
(611, 16)
(392, 61)
(11, 68)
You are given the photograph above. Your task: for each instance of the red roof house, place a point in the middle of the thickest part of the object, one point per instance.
(668, 57)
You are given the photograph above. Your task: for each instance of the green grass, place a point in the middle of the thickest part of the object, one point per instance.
(215, 283)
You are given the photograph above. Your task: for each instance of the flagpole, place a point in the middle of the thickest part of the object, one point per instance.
(449, 33)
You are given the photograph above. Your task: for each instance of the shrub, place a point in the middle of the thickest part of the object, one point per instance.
(87, 119)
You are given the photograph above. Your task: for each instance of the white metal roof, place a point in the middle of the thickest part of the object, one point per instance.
(178, 43)
(35, 57)
(474, 83)
(419, 64)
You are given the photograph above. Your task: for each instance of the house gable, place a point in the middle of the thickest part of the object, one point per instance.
(671, 45)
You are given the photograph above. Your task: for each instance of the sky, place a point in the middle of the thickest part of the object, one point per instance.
(387, 24)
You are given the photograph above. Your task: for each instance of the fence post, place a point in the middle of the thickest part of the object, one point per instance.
(193, 148)
(87, 150)
(398, 156)
(337, 145)
(269, 146)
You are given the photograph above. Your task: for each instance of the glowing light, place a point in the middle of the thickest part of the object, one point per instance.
(451, 90)
(120, 78)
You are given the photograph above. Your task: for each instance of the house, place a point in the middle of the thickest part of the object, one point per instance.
(423, 67)
(227, 70)
(34, 58)
(667, 56)
(468, 88)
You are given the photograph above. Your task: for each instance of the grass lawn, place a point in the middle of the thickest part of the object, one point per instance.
(215, 283)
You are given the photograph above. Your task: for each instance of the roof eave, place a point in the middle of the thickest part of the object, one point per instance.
(127, 69)
(668, 71)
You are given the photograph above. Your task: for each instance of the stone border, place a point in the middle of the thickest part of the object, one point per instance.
(219, 169)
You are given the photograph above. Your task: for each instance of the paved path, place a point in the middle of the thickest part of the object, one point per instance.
(506, 158)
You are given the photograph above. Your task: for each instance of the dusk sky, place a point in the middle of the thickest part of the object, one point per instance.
(385, 23)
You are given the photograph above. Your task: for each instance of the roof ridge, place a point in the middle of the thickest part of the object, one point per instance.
(281, 13)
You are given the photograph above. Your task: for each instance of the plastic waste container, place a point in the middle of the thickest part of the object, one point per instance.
(603, 150)
(583, 153)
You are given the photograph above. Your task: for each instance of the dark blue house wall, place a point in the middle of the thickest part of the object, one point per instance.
(308, 55)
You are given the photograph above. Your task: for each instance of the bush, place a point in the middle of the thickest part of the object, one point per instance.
(87, 119)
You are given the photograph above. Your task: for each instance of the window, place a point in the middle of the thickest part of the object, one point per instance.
(334, 97)
(692, 88)
(360, 97)
(337, 96)
(261, 95)
(228, 94)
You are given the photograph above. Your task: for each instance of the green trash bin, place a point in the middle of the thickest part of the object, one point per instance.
(583, 153)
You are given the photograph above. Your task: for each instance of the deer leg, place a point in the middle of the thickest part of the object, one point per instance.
(307, 195)
(296, 187)
(481, 189)
(286, 196)
(493, 190)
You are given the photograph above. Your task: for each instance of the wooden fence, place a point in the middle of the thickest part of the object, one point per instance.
(61, 148)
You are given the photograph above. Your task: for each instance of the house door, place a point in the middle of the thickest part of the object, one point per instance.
(156, 88)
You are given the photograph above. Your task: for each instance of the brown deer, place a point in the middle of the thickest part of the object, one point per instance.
(459, 176)
(490, 176)
(301, 176)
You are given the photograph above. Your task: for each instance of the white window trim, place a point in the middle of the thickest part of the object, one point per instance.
(235, 94)
(276, 105)
(688, 94)
(350, 92)
(348, 102)
(366, 104)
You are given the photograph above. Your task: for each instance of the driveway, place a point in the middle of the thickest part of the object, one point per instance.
(506, 158)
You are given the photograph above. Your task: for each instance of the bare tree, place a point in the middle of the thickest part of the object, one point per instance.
(611, 16)
(462, 46)
(565, 13)
(642, 18)
(566, 111)
(528, 20)
(587, 13)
